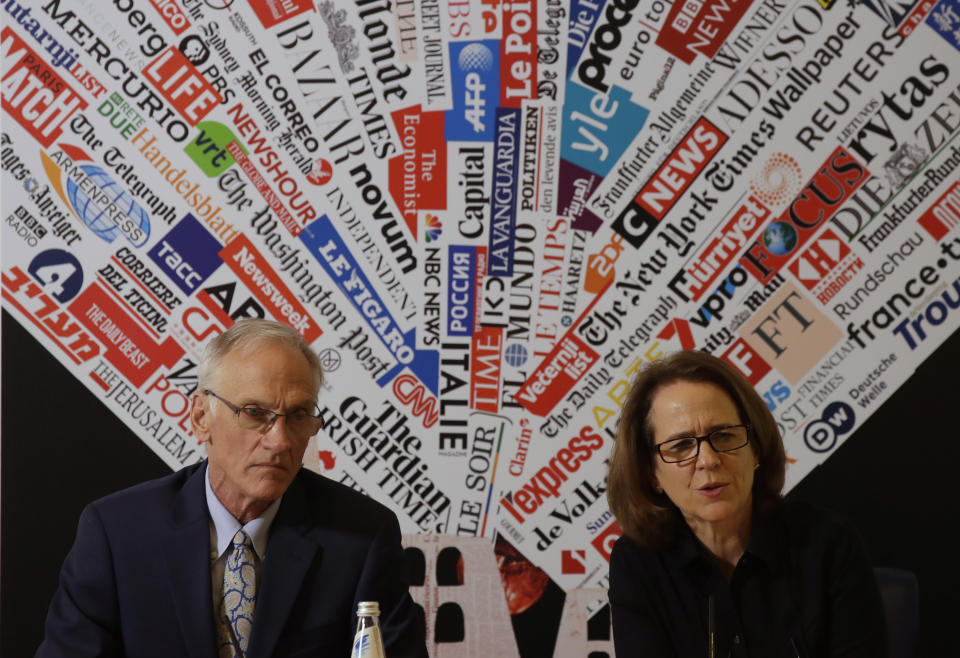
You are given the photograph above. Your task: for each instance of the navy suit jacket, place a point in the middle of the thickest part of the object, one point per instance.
(137, 580)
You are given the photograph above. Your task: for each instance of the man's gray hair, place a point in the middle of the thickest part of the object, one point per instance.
(252, 331)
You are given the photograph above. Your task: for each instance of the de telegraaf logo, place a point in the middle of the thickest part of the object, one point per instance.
(821, 435)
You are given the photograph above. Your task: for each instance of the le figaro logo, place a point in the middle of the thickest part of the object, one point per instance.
(94, 197)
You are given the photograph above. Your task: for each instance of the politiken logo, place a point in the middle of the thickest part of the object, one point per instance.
(95, 198)
(188, 254)
(475, 83)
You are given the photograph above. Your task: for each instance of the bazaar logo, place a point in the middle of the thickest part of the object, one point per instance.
(96, 199)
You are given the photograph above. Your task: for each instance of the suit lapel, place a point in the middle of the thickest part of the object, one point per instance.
(187, 554)
(294, 545)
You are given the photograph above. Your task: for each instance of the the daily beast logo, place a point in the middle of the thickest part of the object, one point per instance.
(33, 93)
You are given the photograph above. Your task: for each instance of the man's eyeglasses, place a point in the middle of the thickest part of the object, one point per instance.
(300, 424)
(724, 439)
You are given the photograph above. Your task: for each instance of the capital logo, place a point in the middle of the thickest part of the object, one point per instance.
(105, 207)
(573, 562)
(779, 180)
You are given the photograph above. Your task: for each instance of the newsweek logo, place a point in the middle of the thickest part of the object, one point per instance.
(475, 81)
(255, 273)
(944, 215)
(836, 180)
(699, 27)
(272, 12)
(637, 221)
(171, 14)
(33, 94)
(178, 81)
(826, 266)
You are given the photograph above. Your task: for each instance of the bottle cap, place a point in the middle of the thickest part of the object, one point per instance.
(368, 609)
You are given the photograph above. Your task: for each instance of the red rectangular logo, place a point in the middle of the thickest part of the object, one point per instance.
(172, 15)
(699, 27)
(33, 94)
(271, 12)
(518, 53)
(556, 375)
(253, 270)
(680, 169)
(178, 81)
(486, 355)
(826, 266)
(944, 215)
(418, 176)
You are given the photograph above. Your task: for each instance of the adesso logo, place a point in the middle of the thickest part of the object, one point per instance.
(475, 81)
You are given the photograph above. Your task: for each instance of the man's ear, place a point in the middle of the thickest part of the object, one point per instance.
(200, 417)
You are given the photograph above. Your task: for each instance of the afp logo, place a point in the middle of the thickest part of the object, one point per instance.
(475, 83)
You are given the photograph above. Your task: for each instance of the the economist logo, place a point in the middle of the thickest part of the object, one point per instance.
(699, 27)
(33, 94)
(418, 176)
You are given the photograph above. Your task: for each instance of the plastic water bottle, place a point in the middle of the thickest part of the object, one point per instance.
(368, 643)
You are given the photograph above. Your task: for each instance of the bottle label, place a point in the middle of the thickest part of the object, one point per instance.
(368, 643)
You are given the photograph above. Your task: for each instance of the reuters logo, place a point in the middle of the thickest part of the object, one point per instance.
(779, 181)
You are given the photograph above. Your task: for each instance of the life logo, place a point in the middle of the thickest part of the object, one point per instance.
(96, 199)
(821, 435)
(475, 82)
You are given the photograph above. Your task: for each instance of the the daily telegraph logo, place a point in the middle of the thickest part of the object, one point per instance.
(595, 125)
(94, 197)
(836, 180)
(826, 266)
(461, 292)
(273, 12)
(699, 27)
(638, 220)
(182, 85)
(944, 215)
(252, 269)
(475, 82)
(33, 94)
(188, 254)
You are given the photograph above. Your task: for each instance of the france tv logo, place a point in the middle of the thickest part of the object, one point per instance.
(475, 82)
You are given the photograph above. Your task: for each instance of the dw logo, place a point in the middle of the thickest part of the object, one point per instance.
(821, 435)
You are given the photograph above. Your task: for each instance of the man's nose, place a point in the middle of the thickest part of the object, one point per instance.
(276, 437)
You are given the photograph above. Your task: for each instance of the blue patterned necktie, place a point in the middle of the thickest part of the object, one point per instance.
(239, 599)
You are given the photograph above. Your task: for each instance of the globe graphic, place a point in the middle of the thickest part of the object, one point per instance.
(780, 238)
(475, 57)
(94, 217)
(516, 355)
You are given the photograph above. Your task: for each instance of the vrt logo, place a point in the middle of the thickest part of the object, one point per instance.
(821, 435)
(573, 562)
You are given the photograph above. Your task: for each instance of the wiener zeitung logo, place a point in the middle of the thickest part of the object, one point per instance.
(95, 198)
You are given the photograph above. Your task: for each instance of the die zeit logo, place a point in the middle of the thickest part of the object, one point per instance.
(830, 187)
(546, 483)
(665, 187)
(33, 93)
(699, 27)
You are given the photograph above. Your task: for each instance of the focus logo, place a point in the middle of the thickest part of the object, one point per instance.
(33, 93)
(826, 266)
(605, 540)
(188, 254)
(475, 81)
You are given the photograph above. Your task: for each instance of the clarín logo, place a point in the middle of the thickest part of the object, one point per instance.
(96, 199)
(432, 227)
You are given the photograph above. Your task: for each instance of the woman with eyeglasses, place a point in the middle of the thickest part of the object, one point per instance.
(712, 561)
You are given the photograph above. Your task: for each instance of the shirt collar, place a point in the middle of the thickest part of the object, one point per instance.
(767, 541)
(225, 526)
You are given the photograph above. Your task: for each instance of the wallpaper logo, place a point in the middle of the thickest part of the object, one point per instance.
(209, 148)
(433, 227)
(95, 198)
(779, 180)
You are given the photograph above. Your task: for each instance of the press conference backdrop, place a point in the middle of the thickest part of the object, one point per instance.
(485, 217)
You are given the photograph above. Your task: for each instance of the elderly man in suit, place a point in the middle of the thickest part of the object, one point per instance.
(246, 554)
